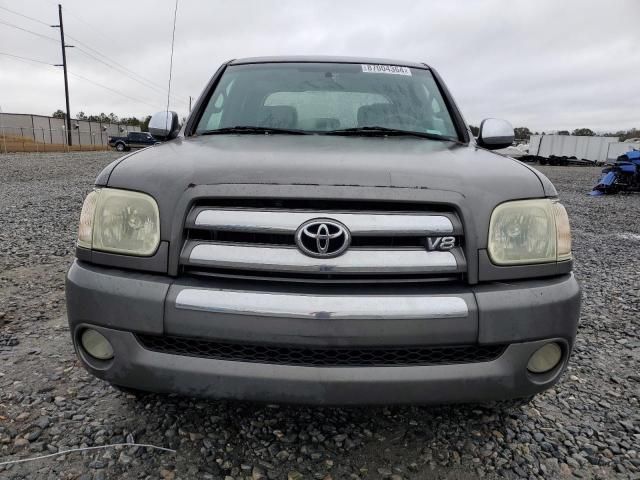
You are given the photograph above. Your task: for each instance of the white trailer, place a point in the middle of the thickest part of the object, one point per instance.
(534, 145)
(620, 148)
(562, 149)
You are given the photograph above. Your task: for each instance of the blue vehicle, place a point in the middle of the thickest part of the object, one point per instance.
(623, 176)
(132, 140)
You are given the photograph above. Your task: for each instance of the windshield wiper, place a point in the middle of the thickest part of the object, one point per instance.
(375, 130)
(253, 130)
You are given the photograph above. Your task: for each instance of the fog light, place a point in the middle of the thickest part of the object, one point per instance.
(545, 358)
(96, 344)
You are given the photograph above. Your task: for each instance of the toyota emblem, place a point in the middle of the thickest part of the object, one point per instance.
(323, 238)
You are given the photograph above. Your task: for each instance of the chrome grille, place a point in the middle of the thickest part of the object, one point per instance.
(389, 244)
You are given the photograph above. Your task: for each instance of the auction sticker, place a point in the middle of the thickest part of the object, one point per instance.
(391, 69)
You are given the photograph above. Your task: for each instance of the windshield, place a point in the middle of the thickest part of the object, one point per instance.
(324, 97)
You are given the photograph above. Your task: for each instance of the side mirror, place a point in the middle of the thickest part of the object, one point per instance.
(164, 125)
(495, 134)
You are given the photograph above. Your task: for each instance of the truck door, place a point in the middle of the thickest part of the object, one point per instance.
(148, 139)
(135, 140)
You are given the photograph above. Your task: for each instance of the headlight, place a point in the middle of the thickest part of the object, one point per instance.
(563, 231)
(529, 231)
(85, 229)
(119, 221)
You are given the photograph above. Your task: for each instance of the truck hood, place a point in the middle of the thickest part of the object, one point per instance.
(469, 179)
(399, 162)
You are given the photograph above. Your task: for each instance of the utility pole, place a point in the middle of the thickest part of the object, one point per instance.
(64, 67)
(4, 137)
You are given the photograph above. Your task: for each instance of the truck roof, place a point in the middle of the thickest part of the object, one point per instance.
(326, 59)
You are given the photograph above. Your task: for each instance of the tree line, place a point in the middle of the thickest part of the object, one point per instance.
(523, 133)
(110, 118)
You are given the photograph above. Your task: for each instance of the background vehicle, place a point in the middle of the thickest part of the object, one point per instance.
(132, 140)
(623, 176)
(325, 230)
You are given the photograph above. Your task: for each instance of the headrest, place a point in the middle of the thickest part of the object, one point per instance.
(279, 116)
(375, 114)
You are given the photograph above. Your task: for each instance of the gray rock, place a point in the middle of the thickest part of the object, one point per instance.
(42, 422)
(124, 459)
(385, 472)
(257, 473)
(33, 434)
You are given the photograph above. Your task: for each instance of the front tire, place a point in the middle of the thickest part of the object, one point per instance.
(120, 147)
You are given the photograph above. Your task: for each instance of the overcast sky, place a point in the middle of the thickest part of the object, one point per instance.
(546, 64)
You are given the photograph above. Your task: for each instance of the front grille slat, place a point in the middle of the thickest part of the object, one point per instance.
(321, 356)
(287, 222)
(289, 259)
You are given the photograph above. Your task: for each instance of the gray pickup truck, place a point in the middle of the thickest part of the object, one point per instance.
(325, 230)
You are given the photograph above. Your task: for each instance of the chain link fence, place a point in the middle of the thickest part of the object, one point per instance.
(35, 133)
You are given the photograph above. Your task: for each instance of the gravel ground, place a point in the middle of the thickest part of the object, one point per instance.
(587, 427)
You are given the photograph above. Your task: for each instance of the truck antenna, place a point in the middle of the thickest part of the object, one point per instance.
(173, 38)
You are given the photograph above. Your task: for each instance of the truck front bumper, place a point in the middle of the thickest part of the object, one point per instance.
(128, 308)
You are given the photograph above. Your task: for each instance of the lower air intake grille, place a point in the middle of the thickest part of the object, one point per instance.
(322, 356)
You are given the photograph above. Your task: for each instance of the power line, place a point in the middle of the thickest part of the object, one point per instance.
(25, 58)
(112, 90)
(120, 70)
(147, 82)
(108, 62)
(118, 66)
(29, 31)
(17, 57)
(25, 16)
(90, 55)
(93, 28)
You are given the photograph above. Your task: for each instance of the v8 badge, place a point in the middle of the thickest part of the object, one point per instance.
(440, 243)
